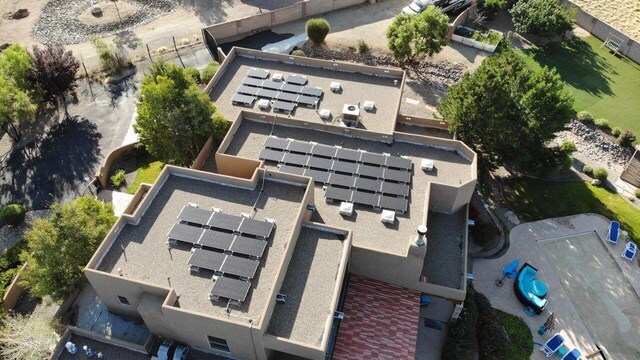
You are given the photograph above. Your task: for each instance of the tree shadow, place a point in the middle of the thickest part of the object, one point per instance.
(268, 5)
(128, 39)
(53, 169)
(578, 65)
(209, 12)
(118, 89)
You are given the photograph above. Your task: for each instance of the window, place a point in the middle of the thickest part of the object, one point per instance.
(123, 300)
(217, 343)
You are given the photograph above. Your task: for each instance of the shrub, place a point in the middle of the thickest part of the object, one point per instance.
(585, 117)
(317, 30)
(483, 233)
(118, 178)
(491, 337)
(298, 53)
(588, 170)
(637, 193)
(602, 123)
(193, 73)
(492, 6)
(520, 341)
(362, 46)
(568, 147)
(111, 62)
(616, 132)
(566, 163)
(600, 174)
(459, 341)
(626, 138)
(12, 214)
(208, 72)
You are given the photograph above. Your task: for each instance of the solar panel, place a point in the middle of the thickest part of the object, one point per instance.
(272, 85)
(266, 93)
(295, 159)
(373, 158)
(345, 167)
(242, 99)
(249, 81)
(311, 91)
(317, 175)
(292, 169)
(205, 259)
(300, 146)
(195, 215)
(371, 171)
(258, 73)
(287, 97)
(395, 189)
(320, 163)
(307, 101)
(368, 184)
(258, 228)
(348, 154)
(272, 155)
(393, 203)
(239, 266)
(223, 221)
(397, 175)
(398, 162)
(341, 180)
(276, 143)
(323, 150)
(336, 193)
(290, 88)
(247, 90)
(248, 246)
(229, 288)
(216, 240)
(365, 198)
(185, 233)
(283, 106)
(297, 79)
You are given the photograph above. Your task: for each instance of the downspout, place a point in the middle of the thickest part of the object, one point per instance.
(253, 344)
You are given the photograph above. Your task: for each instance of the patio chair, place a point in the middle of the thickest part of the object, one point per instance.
(574, 354)
(552, 345)
(630, 251)
(614, 232)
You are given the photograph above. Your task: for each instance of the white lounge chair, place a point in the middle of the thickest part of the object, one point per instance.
(614, 232)
(574, 354)
(552, 345)
(630, 251)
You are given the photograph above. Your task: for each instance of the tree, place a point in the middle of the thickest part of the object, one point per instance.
(27, 338)
(55, 71)
(425, 33)
(545, 18)
(15, 107)
(174, 117)
(506, 110)
(60, 247)
(317, 30)
(15, 64)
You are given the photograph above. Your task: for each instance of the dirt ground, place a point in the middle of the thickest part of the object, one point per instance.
(621, 14)
(109, 13)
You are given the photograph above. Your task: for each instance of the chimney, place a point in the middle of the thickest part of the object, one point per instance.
(422, 232)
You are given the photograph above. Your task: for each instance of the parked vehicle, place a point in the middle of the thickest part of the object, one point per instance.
(446, 6)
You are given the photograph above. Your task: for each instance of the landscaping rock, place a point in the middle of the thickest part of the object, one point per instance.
(596, 182)
(96, 11)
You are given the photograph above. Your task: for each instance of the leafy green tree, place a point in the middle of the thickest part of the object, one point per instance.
(54, 70)
(174, 117)
(27, 338)
(15, 64)
(491, 7)
(425, 33)
(15, 107)
(506, 110)
(60, 247)
(545, 18)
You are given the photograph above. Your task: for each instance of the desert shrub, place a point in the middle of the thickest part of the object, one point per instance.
(459, 342)
(585, 117)
(118, 178)
(193, 73)
(637, 193)
(298, 53)
(568, 147)
(600, 174)
(587, 170)
(111, 61)
(317, 30)
(362, 46)
(602, 123)
(209, 71)
(616, 131)
(12, 214)
(626, 138)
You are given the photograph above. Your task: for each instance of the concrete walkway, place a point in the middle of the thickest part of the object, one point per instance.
(541, 244)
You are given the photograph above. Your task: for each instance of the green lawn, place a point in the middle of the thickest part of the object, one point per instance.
(605, 85)
(537, 199)
(148, 172)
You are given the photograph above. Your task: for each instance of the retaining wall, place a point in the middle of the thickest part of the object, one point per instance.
(103, 173)
(12, 295)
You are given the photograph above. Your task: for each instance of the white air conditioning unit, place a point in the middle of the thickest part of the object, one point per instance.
(351, 115)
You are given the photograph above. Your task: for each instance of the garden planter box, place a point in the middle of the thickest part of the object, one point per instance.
(474, 43)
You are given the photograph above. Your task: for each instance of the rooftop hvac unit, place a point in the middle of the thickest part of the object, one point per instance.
(350, 115)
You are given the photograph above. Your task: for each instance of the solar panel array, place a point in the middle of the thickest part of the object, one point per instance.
(285, 95)
(228, 245)
(378, 180)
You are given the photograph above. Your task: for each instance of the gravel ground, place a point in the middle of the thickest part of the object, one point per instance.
(59, 23)
(443, 262)
(11, 235)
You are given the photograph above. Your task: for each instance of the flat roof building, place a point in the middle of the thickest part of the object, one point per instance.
(248, 253)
